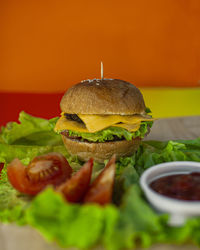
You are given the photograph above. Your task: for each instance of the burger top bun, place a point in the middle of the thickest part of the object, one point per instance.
(107, 96)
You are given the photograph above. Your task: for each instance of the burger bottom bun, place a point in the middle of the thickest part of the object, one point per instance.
(100, 151)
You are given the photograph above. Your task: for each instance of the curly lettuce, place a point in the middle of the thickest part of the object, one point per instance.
(126, 224)
(30, 131)
(110, 133)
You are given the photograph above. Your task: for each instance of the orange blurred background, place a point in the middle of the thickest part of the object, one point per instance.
(48, 45)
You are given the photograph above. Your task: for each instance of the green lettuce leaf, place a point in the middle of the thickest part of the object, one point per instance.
(31, 137)
(27, 153)
(154, 152)
(70, 224)
(12, 203)
(30, 131)
(110, 133)
(148, 110)
(128, 223)
(124, 178)
(138, 223)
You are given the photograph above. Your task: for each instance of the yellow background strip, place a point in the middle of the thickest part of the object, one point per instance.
(171, 102)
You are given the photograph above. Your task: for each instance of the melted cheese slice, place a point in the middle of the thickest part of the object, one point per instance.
(65, 124)
(96, 123)
(129, 127)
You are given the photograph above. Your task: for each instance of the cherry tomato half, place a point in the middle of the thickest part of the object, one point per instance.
(102, 187)
(75, 188)
(49, 169)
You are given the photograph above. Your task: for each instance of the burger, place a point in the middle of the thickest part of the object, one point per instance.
(103, 117)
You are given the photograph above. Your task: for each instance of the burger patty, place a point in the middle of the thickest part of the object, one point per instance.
(73, 117)
(79, 138)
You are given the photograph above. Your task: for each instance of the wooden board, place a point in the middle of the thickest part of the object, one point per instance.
(175, 129)
(13, 237)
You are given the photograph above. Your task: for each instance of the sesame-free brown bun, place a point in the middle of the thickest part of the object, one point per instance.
(100, 151)
(107, 96)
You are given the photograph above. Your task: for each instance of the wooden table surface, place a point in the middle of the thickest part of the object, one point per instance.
(25, 238)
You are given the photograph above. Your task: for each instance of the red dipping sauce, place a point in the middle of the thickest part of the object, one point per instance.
(179, 186)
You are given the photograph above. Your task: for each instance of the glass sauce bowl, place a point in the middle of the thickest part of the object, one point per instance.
(179, 210)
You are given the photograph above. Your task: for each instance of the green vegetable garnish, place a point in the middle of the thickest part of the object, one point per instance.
(109, 133)
(128, 222)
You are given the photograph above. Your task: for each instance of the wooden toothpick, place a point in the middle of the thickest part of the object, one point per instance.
(101, 70)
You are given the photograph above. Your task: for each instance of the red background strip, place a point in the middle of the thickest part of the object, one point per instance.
(41, 105)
